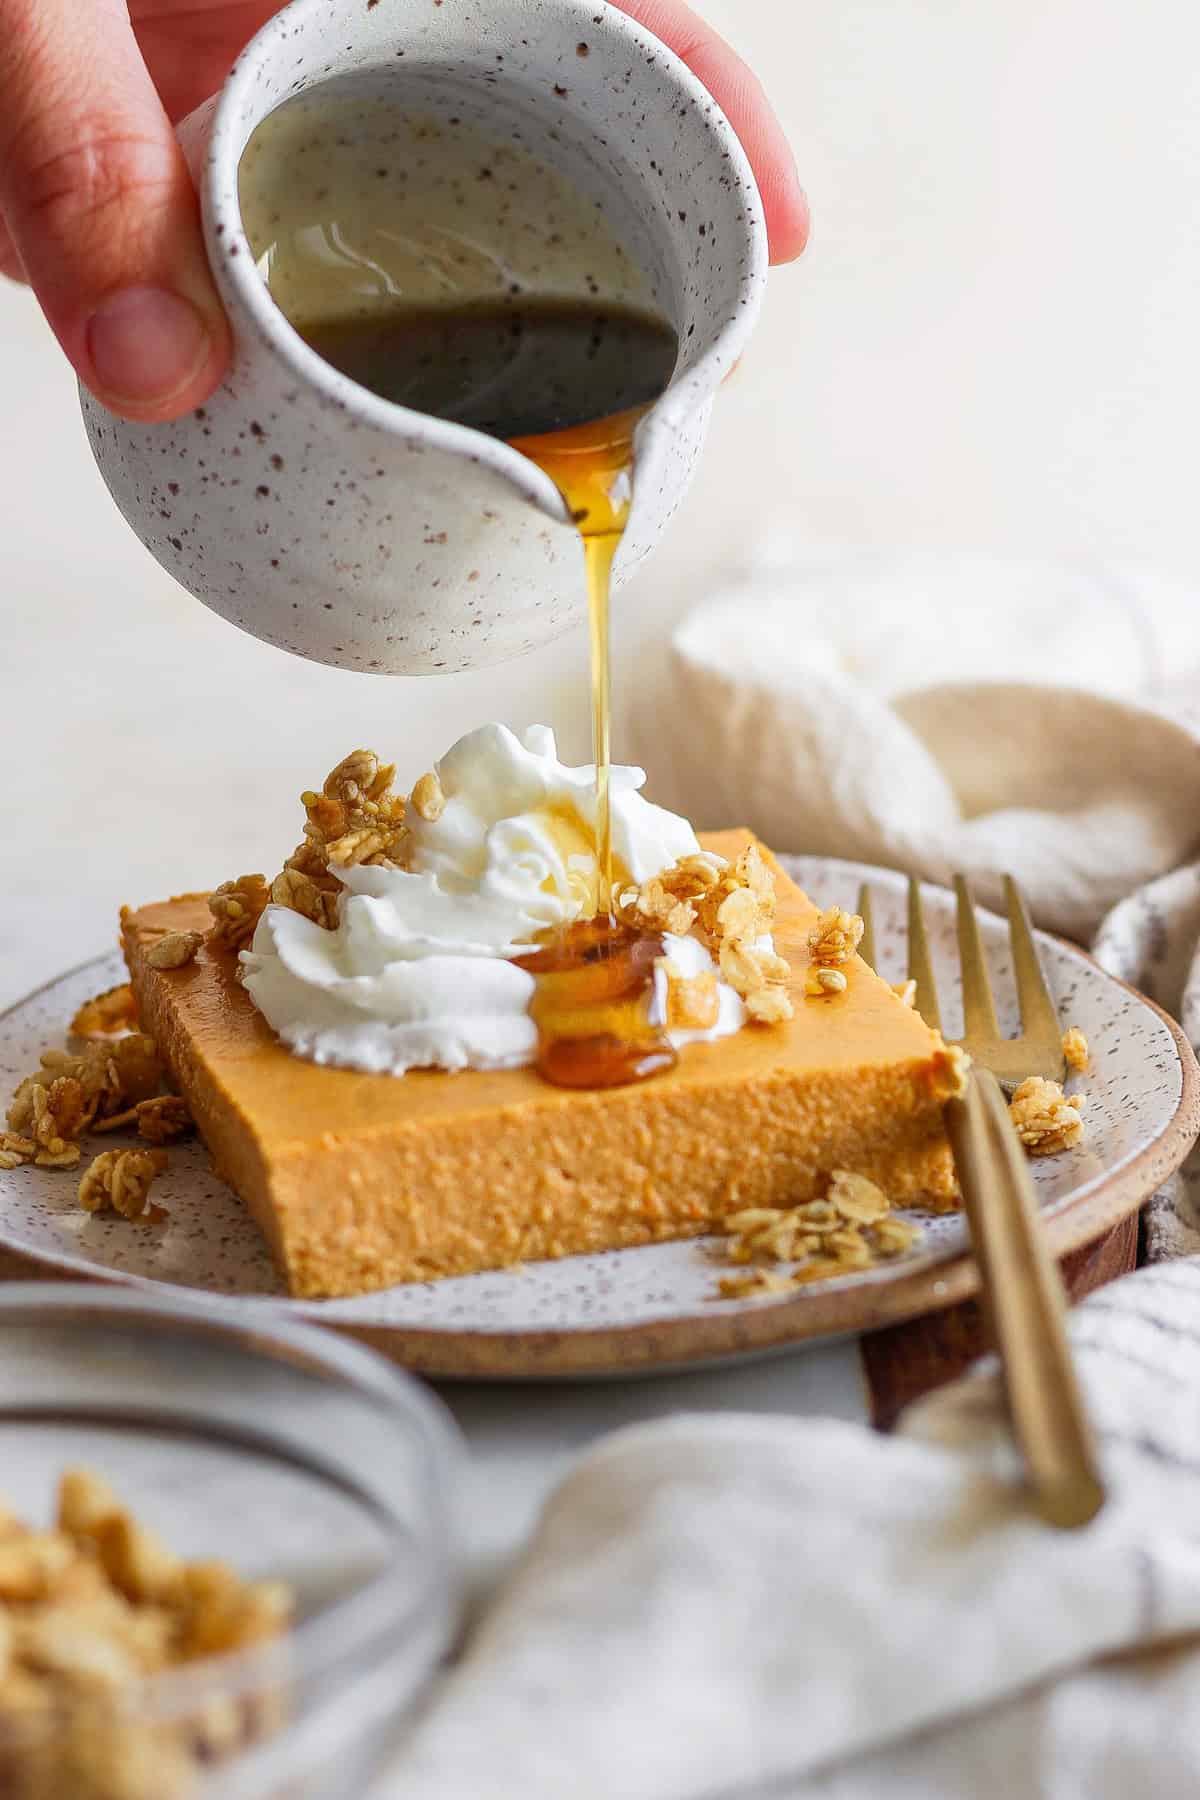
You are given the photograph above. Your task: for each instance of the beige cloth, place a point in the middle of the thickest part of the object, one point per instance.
(737, 1606)
(940, 713)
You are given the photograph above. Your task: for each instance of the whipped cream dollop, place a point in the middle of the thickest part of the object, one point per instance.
(418, 972)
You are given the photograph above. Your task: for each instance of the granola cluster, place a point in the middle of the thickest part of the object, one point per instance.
(73, 1093)
(1075, 1049)
(174, 949)
(355, 818)
(91, 1608)
(111, 1083)
(734, 905)
(849, 1229)
(43, 1121)
(835, 937)
(1047, 1121)
(236, 907)
(119, 1181)
(831, 942)
(672, 901)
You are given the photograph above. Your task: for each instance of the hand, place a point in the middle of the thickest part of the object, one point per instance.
(98, 212)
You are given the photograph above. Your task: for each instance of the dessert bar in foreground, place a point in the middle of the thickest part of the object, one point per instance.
(359, 1181)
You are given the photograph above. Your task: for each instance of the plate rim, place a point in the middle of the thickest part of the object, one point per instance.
(691, 1340)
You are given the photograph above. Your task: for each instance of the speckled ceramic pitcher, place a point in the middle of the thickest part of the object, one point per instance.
(345, 528)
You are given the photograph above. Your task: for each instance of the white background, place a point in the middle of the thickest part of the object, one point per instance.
(991, 341)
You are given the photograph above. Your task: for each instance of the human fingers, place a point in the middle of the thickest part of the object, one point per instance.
(100, 210)
(743, 100)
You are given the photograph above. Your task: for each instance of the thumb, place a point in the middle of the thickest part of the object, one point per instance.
(101, 211)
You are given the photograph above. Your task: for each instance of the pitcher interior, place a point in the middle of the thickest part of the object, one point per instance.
(596, 111)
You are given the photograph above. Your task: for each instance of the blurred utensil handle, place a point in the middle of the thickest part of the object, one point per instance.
(1023, 1297)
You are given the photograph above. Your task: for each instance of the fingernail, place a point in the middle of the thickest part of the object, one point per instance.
(146, 343)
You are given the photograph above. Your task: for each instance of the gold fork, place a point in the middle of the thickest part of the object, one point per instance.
(1022, 1289)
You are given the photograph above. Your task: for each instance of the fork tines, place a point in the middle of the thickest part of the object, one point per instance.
(1038, 1049)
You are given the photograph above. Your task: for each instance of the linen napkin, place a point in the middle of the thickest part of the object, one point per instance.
(939, 712)
(737, 1606)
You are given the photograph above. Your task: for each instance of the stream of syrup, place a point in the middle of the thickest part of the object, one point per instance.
(595, 978)
(592, 467)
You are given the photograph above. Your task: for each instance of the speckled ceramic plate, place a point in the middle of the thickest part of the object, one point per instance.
(653, 1307)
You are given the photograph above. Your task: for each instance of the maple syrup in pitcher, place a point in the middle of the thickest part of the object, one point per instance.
(564, 379)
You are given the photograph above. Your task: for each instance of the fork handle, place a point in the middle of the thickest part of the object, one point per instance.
(1024, 1304)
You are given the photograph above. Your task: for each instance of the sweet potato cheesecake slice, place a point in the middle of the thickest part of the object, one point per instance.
(361, 1180)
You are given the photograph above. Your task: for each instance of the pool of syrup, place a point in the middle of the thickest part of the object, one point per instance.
(593, 1005)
